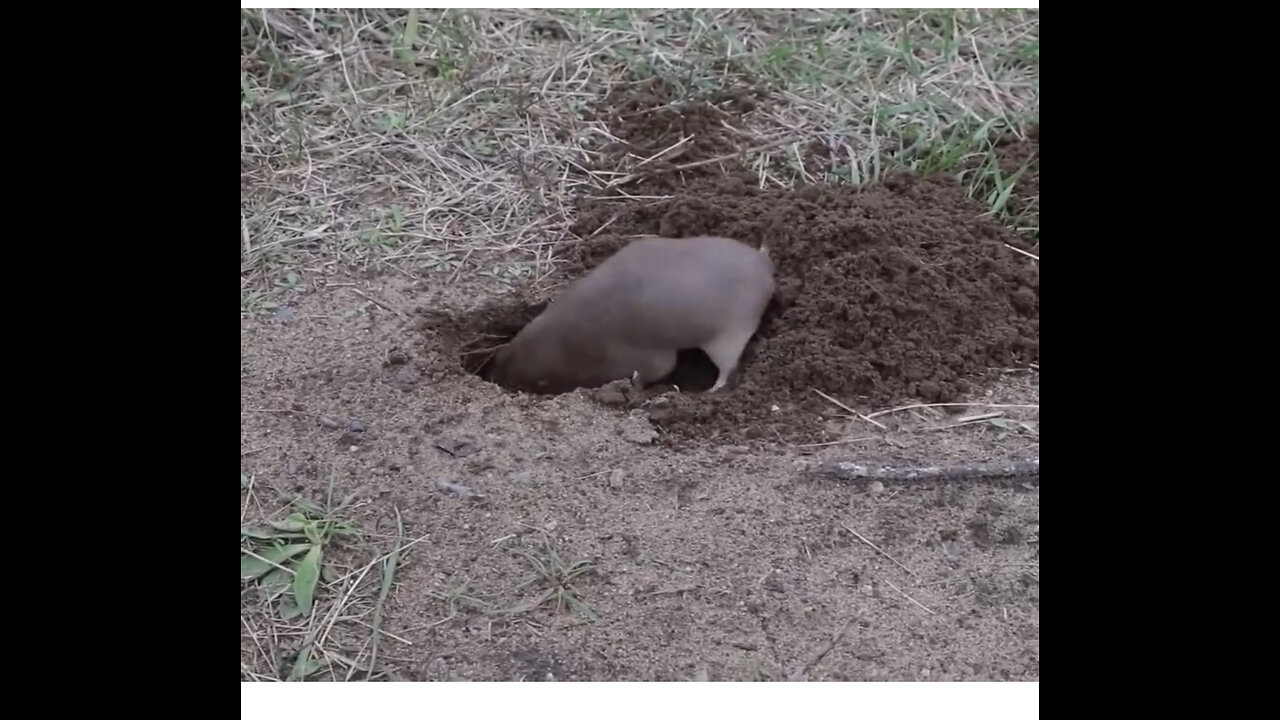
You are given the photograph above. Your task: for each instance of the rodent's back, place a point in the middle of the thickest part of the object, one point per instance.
(670, 292)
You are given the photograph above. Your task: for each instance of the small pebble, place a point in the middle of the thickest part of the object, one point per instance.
(327, 422)
(356, 426)
(876, 486)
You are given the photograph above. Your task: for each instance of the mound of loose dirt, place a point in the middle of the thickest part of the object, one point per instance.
(887, 294)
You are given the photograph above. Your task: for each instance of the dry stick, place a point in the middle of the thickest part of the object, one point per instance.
(845, 441)
(388, 576)
(663, 152)
(846, 408)
(917, 602)
(674, 590)
(383, 632)
(276, 565)
(878, 413)
(710, 161)
(385, 306)
(877, 549)
(844, 470)
(970, 420)
(821, 652)
(1024, 252)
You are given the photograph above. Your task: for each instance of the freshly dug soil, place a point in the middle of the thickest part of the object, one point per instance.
(891, 293)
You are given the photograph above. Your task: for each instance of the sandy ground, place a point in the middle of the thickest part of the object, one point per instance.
(716, 561)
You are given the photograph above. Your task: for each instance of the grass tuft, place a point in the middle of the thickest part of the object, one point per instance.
(453, 142)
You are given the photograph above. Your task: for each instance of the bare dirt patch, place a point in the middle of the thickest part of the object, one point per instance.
(719, 562)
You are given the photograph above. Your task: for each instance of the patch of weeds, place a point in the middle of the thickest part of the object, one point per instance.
(387, 234)
(991, 186)
(392, 121)
(286, 557)
(446, 52)
(256, 303)
(994, 188)
(557, 576)
(443, 262)
(277, 258)
(291, 280)
(456, 597)
(249, 95)
(933, 155)
(1026, 54)
(481, 144)
(969, 153)
(407, 38)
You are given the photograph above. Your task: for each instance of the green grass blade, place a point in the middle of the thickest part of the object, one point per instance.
(254, 567)
(306, 578)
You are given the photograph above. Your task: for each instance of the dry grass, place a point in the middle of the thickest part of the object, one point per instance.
(454, 141)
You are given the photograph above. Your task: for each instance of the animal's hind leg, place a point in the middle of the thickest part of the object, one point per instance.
(725, 350)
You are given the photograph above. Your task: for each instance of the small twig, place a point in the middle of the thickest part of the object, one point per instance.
(845, 441)
(251, 451)
(878, 413)
(969, 420)
(821, 652)
(708, 161)
(388, 577)
(275, 565)
(917, 602)
(383, 632)
(877, 549)
(361, 572)
(384, 305)
(664, 152)
(844, 470)
(674, 590)
(1024, 252)
(846, 408)
(730, 156)
(282, 411)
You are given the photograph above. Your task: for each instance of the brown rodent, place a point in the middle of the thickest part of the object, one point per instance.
(629, 316)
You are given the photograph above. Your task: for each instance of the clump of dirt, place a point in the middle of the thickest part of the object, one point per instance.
(891, 293)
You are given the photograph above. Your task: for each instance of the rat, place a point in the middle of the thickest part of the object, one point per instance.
(629, 316)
